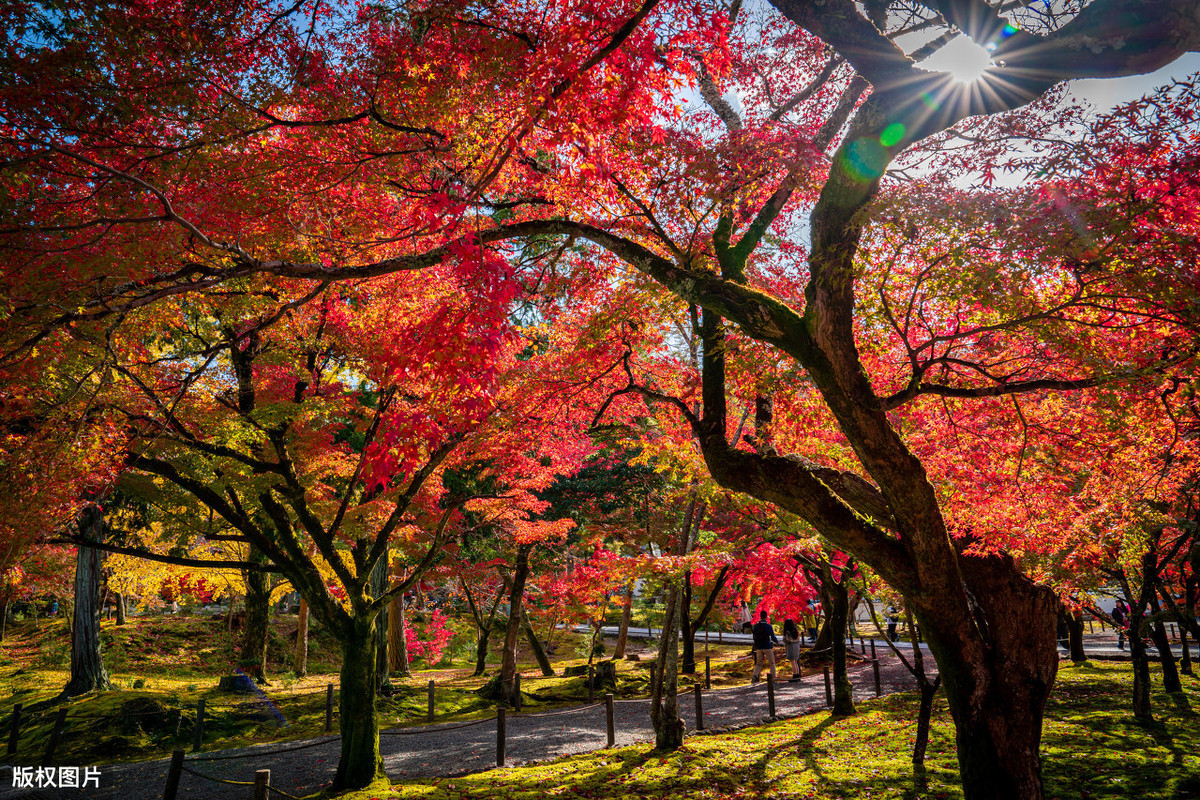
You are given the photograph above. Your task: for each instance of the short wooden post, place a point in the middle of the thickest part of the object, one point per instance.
(429, 716)
(875, 669)
(517, 692)
(771, 695)
(328, 707)
(173, 773)
(828, 689)
(591, 681)
(14, 729)
(707, 672)
(873, 656)
(610, 719)
(262, 780)
(699, 708)
(60, 719)
(198, 731)
(500, 711)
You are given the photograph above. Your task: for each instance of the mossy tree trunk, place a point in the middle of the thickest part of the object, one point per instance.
(360, 763)
(87, 662)
(253, 656)
(664, 709)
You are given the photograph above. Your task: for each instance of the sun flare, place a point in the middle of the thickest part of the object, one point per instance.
(965, 60)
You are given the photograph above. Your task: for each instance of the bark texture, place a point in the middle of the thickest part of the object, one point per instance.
(87, 662)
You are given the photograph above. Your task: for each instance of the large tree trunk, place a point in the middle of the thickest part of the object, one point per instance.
(997, 667)
(360, 763)
(508, 664)
(626, 615)
(300, 654)
(664, 710)
(253, 657)
(87, 663)
(397, 644)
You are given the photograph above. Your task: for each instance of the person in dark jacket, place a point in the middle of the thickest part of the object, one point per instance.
(764, 645)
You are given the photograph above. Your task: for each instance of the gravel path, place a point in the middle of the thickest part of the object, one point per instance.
(444, 750)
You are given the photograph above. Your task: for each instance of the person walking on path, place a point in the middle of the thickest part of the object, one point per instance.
(745, 621)
(791, 641)
(764, 645)
(1120, 614)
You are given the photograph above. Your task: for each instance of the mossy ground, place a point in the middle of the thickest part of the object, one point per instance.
(1092, 750)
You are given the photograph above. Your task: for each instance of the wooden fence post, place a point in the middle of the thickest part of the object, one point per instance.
(328, 707)
(500, 710)
(262, 779)
(173, 773)
(60, 719)
(14, 729)
(610, 718)
(198, 732)
(873, 656)
(430, 715)
(828, 689)
(771, 695)
(707, 672)
(699, 708)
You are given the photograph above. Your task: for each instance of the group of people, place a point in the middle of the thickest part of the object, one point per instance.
(765, 641)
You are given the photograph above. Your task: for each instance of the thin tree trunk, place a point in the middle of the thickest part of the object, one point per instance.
(1075, 636)
(837, 608)
(664, 711)
(1158, 633)
(508, 664)
(87, 662)
(397, 644)
(121, 618)
(626, 615)
(360, 763)
(379, 582)
(300, 654)
(535, 645)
